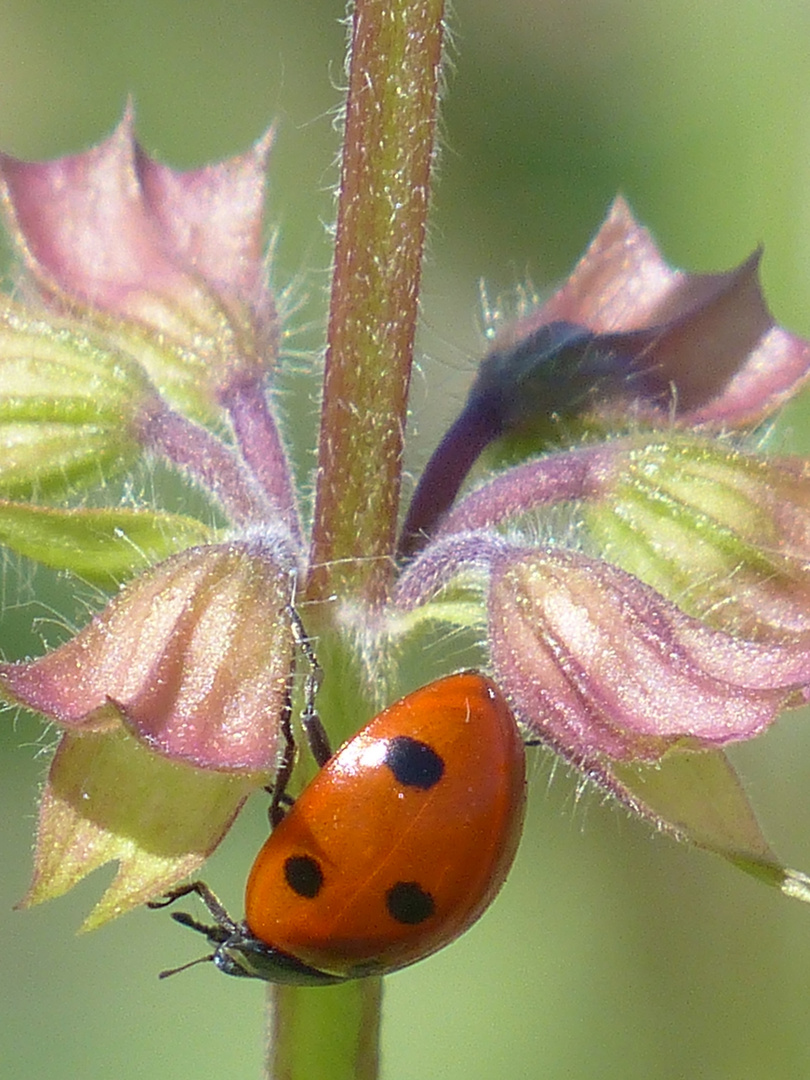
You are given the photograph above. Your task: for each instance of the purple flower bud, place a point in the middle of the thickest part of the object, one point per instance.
(626, 340)
(599, 665)
(193, 656)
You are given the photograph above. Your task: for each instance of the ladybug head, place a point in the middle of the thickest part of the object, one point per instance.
(236, 950)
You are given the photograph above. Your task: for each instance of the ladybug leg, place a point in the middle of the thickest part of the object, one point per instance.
(317, 738)
(316, 734)
(215, 906)
(218, 933)
(310, 720)
(223, 930)
(278, 792)
(528, 736)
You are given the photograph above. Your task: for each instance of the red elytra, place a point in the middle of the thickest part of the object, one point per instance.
(397, 846)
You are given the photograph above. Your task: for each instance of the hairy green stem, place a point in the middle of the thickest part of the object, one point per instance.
(333, 1033)
(388, 151)
(327, 1032)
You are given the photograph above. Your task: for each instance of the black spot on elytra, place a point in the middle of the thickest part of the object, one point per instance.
(408, 903)
(303, 875)
(413, 763)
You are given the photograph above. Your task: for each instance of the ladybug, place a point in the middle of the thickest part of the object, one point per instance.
(397, 845)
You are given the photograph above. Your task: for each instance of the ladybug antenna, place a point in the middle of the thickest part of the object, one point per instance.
(220, 932)
(215, 934)
(184, 967)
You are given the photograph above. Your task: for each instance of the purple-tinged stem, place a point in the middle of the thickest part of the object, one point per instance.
(430, 572)
(260, 442)
(396, 45)
(388, 152)
(577, 474)
(207, 461)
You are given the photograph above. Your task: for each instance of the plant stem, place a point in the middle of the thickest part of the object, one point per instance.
(327, 1032)
(332, 1033)
(384, 188)
(260, 443)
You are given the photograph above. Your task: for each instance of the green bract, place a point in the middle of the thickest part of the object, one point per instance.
(104, 545)
(158, 818)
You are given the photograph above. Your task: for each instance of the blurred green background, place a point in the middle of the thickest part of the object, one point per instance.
(610, 953)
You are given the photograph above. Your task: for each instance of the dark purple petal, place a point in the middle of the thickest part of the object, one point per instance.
(710, 335)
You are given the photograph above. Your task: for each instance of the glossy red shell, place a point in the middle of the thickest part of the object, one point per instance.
(366, 832)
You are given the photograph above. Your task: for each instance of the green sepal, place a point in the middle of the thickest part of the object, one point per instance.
(183, 376)
(101, 545)
(69, 407)
(697, 795)
(110, 798)
(683, 511)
